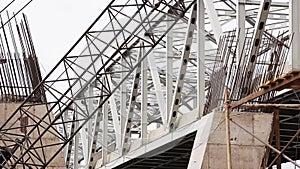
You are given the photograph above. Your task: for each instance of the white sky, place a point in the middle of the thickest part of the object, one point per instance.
(57, 24)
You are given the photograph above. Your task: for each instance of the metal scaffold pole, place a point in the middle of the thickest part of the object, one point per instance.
(227, 121)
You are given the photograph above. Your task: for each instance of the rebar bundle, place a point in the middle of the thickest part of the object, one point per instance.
(231, 70)
(19, 68)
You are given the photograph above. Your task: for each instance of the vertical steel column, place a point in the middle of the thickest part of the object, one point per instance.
(132, 104)
(241, 28)
(84, 142)
(95, 130)
(76, 144)
(123, 101)
(255, 44)
(182, 69)
(104, 133)
(295, 29)
(115, 116)
(157, 86)
(213, 18)
(144, 99)
(90, 133)
(68, 149)
(200, 57)
(169, 70)
(69, 146)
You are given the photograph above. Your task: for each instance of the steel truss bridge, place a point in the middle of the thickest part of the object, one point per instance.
(150, 68)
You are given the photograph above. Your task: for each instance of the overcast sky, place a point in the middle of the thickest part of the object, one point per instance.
(57, 24)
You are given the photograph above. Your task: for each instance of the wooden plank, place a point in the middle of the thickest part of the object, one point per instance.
(279, 79)
(271, 105)
(293, 76)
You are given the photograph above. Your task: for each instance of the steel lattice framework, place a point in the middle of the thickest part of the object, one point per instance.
(144, 64)
(106, 49)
